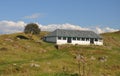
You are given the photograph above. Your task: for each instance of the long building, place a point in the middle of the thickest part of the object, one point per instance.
(62, 36)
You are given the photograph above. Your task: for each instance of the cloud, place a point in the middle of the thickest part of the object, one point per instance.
(107, 29)
(96, 29)
(13, 27)
(33, 16)
(52, 27)
(103, 30)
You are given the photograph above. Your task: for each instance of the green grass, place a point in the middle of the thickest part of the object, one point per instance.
(18, 55)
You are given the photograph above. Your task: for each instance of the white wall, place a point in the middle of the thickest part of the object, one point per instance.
(73, 42)
(80, 42)
(59, 42)
(99, 42)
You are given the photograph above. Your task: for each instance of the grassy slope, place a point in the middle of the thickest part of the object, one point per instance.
(18, 55)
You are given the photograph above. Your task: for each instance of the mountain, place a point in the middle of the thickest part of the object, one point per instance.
(21, 56)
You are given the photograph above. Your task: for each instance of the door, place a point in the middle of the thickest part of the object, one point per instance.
(69, 40)
(91, 41)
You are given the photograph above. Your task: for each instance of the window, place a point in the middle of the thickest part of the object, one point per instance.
(87, 39)
(64, 38)
(59, 38)
(83, 39)
(78, 38)
(74, 38)
(96, 39)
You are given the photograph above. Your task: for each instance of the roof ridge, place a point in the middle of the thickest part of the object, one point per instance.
(75, 33)
(73, 30)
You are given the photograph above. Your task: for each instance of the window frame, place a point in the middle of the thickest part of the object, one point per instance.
(96, 39)
(59, 38)
(74, 38)
(78, 38)
(64, 38)
(83, 39)
(87, 39)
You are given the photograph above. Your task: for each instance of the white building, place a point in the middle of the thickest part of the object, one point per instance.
(61, 36)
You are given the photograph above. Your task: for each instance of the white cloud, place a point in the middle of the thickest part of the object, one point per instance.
(76, 27)
(33, 16)
(12, 27)
(61, 26)
(107, 29)
(103, 30)
(99, 30)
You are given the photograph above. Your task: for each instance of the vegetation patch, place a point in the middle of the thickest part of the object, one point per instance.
(3, 49)
(38, 58)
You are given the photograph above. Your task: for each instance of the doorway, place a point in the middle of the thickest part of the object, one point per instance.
(91, 41)
(69, 40)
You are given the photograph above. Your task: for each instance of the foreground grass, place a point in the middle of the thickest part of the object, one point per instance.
(22, 57)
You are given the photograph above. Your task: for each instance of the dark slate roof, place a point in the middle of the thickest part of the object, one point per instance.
(74, 33)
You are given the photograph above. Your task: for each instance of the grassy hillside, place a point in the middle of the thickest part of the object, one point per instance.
(20, 56)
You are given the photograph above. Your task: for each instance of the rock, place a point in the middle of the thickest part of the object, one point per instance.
(3, 43)
(34, 65)
(18, 38)
(28, 46)
(48, 63)
(93, 58)
(39, 41)
(10, 40)
(32, 61)
(44, 51)
(49, 70)
(14, 64)
(102, 59)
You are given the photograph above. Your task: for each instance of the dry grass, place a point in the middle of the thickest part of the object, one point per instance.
(22, 57)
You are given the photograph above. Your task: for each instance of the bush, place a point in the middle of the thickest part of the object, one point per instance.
(32, 28)
(3, 49)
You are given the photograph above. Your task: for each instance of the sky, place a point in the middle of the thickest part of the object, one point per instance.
(97, 15)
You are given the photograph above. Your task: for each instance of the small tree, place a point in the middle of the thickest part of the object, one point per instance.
(32, 29)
